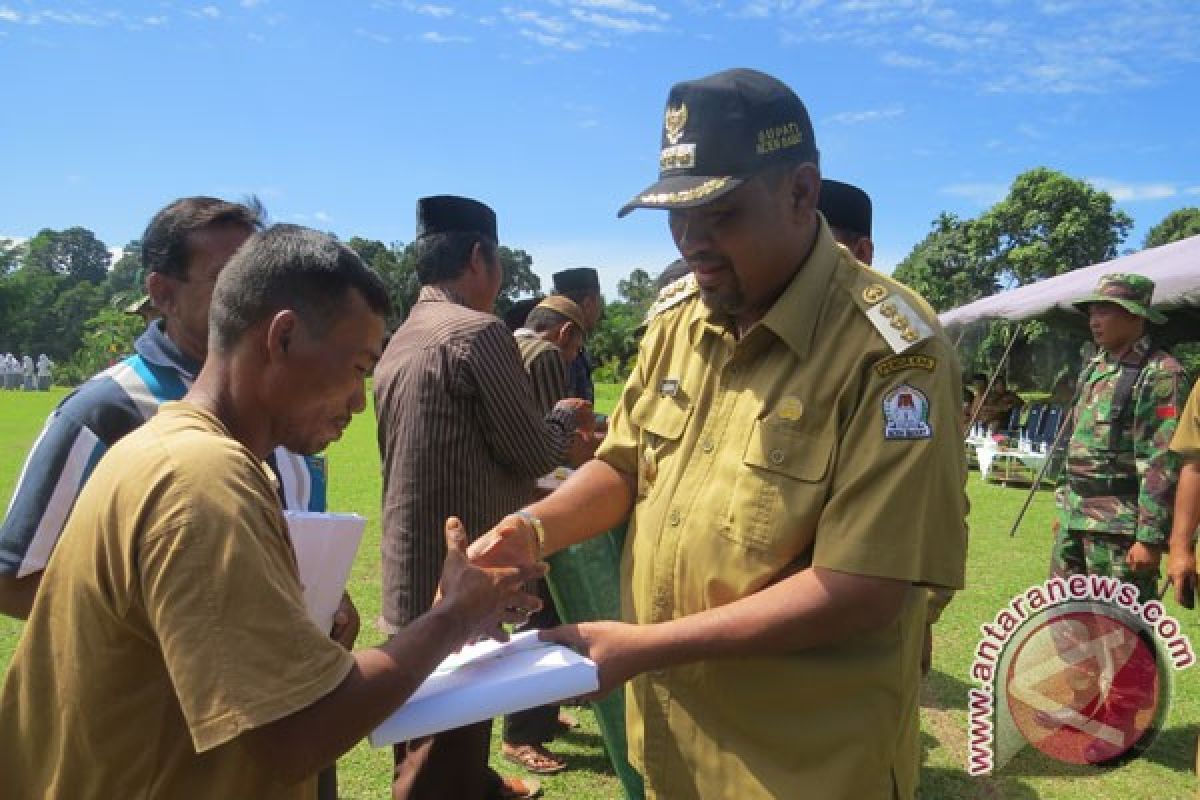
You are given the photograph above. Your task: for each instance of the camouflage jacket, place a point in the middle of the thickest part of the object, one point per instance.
(1129, 489)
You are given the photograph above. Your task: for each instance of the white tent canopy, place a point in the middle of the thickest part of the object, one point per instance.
(1174, 268)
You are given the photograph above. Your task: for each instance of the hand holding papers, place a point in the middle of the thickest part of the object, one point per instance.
(487, 680)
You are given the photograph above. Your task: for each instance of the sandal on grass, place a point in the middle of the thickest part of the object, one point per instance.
(534, 758)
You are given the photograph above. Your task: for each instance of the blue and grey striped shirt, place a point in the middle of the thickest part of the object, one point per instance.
(88, 422)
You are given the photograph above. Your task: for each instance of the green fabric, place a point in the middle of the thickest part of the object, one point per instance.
(585, 581)
(1086, 553)
(1131, 292)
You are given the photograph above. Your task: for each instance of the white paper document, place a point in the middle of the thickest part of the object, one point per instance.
(325, 548)
(488, 680)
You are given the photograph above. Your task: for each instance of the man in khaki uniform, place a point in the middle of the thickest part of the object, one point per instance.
(1181, 564)
(789, 449)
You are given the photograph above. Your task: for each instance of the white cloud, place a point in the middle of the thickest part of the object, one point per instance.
(755, 10)
(212, 12)
(1056, 8)
(894, 59)
(433, 37)
(430, 10)
(8, 15)
(1192, 190)
(550, 25)
(64, 18)
(252, 3)
(154, 22)
(622, 24)
(1134, 192)
(623, 7)
(948, 41)
(981, 194)
(870, 115)
(378, 38)
(321, 216)
(555, 42)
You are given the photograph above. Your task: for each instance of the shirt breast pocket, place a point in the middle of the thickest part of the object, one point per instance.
(662, 421)
(780, 488)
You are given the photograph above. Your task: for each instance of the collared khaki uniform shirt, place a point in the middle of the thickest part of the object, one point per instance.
(1186, 441)
(808, 442)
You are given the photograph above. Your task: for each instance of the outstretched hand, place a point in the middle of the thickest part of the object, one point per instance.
(484, 598)
(511, 543)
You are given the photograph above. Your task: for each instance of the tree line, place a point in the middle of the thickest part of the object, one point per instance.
(1047, 225)
(62, 294)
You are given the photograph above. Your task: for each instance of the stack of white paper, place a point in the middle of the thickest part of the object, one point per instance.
(325, 547)
(488, 680)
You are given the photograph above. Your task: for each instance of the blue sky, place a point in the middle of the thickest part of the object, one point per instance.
(340, 114)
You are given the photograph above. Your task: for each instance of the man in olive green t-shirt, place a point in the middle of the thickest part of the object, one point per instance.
(169, 653)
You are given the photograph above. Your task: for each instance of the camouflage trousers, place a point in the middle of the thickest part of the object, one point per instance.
(1079, 552)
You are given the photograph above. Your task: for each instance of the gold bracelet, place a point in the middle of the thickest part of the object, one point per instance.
(539, 531)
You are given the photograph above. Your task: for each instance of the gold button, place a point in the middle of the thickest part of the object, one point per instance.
(776, 456)
(707, 445)
(873, 294)
(674, 518)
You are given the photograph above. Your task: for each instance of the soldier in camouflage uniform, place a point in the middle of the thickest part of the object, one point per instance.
(1115, 506)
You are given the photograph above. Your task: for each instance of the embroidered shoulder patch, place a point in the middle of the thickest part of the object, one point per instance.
(896, 363)
(906, 414)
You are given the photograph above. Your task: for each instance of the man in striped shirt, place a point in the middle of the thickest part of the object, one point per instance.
(184, 247)
(459, 435)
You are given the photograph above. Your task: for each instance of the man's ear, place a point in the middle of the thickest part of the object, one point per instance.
(864, 250)
(565, 332)
(162, 292)
(805, 188)
(281, 331)
(479, 262)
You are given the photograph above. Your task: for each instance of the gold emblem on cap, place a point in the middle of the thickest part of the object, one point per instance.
(790, 408)
(674, 123)
(685, 195)
(874, 293)
(909, 335)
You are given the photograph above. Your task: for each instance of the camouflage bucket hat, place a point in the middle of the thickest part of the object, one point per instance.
(1130, 292)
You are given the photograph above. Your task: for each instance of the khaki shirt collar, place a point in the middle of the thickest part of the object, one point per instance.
(793, 317)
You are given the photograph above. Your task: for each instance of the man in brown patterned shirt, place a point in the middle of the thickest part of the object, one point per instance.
(459, 435)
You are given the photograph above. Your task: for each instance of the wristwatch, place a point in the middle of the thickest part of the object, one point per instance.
(539, 530)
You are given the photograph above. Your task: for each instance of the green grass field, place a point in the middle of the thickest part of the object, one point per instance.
(999, 567)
